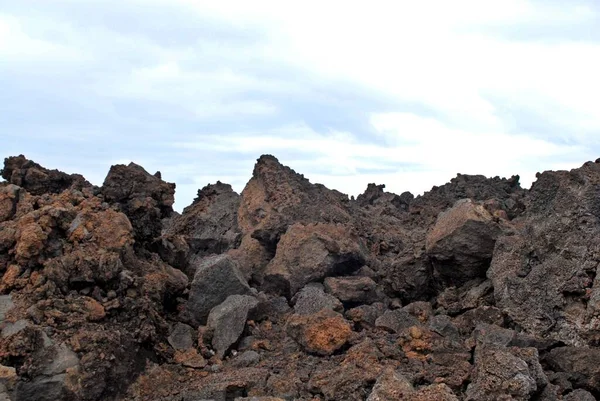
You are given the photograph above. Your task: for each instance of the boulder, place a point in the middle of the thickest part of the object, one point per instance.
(38, 180)
(227, 321)
(312, 298)
(309, 253)
(581, 364)
(396, 320)
(216, 278)
(181, 337)
(144, 198)
(353, 290)
(209, 225)
(461, 243)
(322, 333)
(392, 385)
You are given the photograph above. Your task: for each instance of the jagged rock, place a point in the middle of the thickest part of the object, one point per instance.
(9, 197)
(216, 278)
(311, 253)
(227, 321)
(6, 304)
(271, 308)
(579, 395)
(581, 364)
(144, 198)
(181, 337)
(322, 333)
(228, 385)
(259, 399)
(461, 243)
(246, 359)
(366, 314)
(396, 320)
(276, 197)
(38, 180)
(393, 386)
(209, 225)
(312, 298)
(352, 290)
(351, 378)
(43, 389)
(544, 276)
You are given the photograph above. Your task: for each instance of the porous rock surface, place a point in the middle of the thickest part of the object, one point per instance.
(475, 290)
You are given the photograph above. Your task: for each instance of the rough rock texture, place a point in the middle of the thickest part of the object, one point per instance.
(226, 321)
(209, 225)
(216, 278)
(311, 253)
(322, 333)
(475, 290)
(461, 243)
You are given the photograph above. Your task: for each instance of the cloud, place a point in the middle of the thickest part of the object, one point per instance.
(403, 93)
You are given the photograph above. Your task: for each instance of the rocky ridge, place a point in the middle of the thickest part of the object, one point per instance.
(476, 290)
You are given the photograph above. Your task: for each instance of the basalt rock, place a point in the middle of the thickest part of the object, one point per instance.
(475, 290)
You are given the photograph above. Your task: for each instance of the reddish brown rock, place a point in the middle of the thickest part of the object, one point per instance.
(322, 333)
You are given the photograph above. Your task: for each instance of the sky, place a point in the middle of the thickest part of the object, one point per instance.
(402, 93)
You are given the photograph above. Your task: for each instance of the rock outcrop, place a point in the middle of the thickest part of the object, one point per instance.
(475, 290)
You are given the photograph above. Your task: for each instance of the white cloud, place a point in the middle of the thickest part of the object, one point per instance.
(470, 66)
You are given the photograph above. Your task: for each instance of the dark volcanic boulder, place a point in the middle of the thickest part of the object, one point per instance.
(216, 278)
(353, 290)
(227, 320)
(38, 180)
(209, 225)
(312, 298)
(461, 243)
(545, 276)
(144, 198)
(311, 253)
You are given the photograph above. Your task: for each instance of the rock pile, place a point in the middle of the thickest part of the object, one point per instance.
(476, 290)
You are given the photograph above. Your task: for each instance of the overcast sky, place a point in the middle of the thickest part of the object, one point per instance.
(405, 93)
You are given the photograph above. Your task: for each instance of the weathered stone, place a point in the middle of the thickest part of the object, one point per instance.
(579, 395)
(209, 225)
(396, 320)
(181, 337)
(311, 253)
(245, 359)
(322, 333)
(42, 389)
(392, 386)
(312, 298)
(582, 365)
(227, 321)
(366, 314)
(352, 290)
(216, 278)
(461, 243)
(6, 304)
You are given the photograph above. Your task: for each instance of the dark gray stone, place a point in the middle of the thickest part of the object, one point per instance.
(181, 337)
(6, 304)
(312, 298)
(354, 290)
(245, 359)
(227, 321)
(42, 389)
(396, 320)
(216, 278)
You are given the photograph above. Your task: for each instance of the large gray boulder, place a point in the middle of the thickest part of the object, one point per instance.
(227, 321)
(216, 278)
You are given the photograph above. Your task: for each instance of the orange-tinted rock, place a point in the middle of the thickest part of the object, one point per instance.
(322, 333)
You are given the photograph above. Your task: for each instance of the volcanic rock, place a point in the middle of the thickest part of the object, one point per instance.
(461, 243)
(311, 253)
(312, 298)
(227, 321)
(216, 278)
(322, 333)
